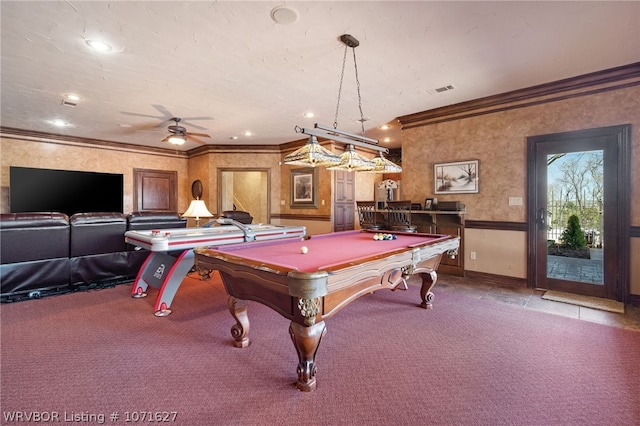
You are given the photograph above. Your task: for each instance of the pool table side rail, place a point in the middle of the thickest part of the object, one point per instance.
(280, 288)
(225, 254)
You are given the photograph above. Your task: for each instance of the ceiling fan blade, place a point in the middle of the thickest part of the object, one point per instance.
(197, 118)
(166, 114)
(136, 114)
(203, 135)
(196, 140)
(186, 121)
(161, 120)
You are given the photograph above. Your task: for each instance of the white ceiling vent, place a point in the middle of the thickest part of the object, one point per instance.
(68, 103)
(446, 88)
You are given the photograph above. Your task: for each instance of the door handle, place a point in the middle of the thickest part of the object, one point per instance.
(542, 218)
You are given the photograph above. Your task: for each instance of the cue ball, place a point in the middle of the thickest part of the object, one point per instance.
(304, 249)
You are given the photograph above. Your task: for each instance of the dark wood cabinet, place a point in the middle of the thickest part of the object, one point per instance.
(155, 190)
(443, 222)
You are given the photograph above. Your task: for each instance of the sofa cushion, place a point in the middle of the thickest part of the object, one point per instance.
(97, 233)
(34, 253)
(137, 221)
(33, 236)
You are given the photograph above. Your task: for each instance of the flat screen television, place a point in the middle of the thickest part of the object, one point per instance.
(64, 191)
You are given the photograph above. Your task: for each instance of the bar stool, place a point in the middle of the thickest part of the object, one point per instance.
(367, 215)
(399, 216)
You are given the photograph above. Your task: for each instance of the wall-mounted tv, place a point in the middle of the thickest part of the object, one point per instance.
(64, 191)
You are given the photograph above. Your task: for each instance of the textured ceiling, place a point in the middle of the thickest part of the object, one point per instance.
(230, 68)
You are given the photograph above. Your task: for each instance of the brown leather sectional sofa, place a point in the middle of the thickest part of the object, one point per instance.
(51, 253)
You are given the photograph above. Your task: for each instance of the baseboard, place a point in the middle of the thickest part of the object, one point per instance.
(501, 280)
(634, 300)
(504, 281)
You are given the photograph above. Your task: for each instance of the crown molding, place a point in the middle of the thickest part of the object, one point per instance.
(596, 82)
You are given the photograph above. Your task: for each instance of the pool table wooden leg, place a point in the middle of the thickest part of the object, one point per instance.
(428, 281)
(240, 329)
(307, 340)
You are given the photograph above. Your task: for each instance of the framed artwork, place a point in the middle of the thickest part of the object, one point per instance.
(456, 178)
(304, 188)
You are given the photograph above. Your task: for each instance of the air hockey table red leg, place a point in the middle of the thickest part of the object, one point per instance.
(171, 278)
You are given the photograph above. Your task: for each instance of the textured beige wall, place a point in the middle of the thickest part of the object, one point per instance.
(499, 141)
(250, 194)
(27, 153)
(205, 167)
(325, 192)
(495, 252)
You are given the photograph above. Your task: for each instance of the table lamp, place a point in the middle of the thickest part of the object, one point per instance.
(197, 208)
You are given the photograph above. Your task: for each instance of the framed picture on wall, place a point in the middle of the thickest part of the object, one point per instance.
(304, 188)
(461, 177)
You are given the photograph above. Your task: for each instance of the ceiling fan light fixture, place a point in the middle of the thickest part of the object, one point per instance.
(176, 140)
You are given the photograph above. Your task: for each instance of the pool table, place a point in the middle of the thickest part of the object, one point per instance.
(308, 281)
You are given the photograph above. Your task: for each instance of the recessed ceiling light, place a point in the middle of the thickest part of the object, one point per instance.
(386, 140)
(98, 45)
(248, 133)
(284, 15)
(59, 123)
(72, 97)
(385, 127)
(309, 114)
(233, 137)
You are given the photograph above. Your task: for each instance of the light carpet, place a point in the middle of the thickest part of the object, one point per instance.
(586, 301)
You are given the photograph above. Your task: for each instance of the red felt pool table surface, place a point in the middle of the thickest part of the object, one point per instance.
(325, 251)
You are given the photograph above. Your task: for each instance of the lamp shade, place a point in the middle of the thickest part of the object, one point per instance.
(312, 154)
(197, 209)
(351, 161)
(385, 166)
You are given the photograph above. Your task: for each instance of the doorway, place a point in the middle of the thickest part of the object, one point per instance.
(578, 209)
(344, 201)
(247, 190)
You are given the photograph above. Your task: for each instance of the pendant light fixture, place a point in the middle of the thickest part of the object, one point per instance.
(313, 154)
(382, 165)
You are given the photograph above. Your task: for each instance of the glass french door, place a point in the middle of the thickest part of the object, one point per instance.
(575, 226)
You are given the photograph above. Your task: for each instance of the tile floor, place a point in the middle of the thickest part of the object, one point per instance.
(584, 270)
(528, 298)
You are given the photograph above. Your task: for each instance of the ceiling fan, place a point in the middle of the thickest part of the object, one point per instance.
(178, 135)
(166, 117)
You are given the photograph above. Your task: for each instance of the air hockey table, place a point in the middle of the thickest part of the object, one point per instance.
(171, 254)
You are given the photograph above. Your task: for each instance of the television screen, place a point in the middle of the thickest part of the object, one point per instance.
(64, 191)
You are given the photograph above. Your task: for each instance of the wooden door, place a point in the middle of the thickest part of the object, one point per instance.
(344, 201)
(155, 190)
